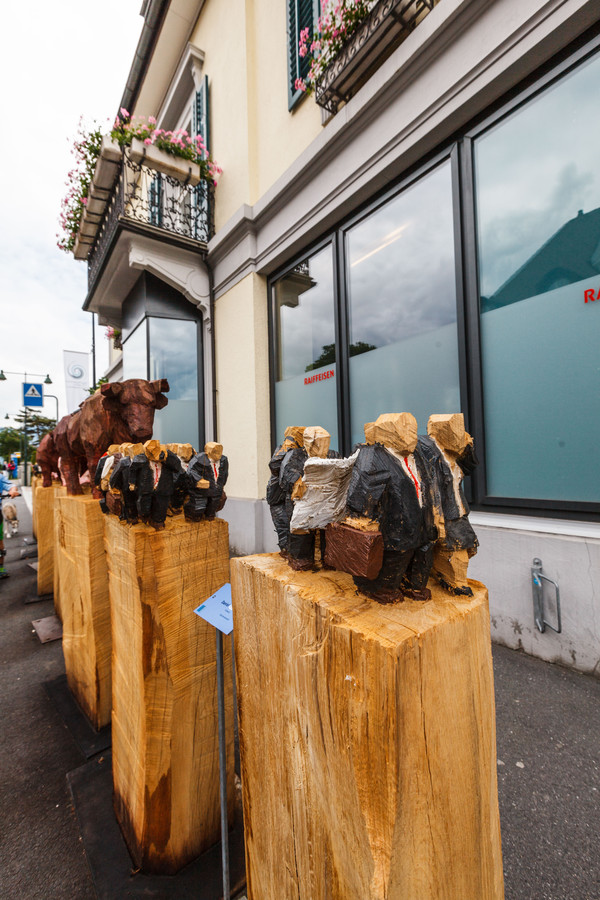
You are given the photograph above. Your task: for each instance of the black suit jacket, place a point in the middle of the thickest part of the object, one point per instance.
(381, 489)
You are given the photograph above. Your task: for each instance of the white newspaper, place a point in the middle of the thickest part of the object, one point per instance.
(327, 482)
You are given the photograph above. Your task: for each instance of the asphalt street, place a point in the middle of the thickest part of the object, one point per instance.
(548, 734)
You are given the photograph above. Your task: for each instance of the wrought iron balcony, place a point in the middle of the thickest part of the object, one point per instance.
(387, 25)
(148, 201)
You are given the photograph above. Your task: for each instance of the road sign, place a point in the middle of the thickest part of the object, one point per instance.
(33, 394)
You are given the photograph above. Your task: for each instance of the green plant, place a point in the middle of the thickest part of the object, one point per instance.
(86, 150)
(177, 143)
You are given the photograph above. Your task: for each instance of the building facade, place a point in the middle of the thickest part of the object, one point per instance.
(425, 237)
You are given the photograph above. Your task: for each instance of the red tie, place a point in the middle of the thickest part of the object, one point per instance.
(412, 475)
(215, 471)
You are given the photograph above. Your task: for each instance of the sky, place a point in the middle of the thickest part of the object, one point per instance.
(58, 61)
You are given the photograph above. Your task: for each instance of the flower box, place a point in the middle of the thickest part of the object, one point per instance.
(387, 25)
(107, 167)
(148, 155)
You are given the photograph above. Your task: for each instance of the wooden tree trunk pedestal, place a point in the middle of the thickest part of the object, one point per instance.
(36, 482)
(165, 713)
(59, 491)
(367, 740)
(44, 510)
(84, 607)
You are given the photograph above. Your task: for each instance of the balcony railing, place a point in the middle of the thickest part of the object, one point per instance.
(156, 203)
(386, 26)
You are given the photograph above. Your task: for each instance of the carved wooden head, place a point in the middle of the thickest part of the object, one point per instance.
(317, 441)
(213, 450)
(397, 431)
(295, 433)
(134, 401)
(448, 430)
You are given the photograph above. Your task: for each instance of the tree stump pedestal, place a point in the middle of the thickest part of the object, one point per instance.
(367, 740)
(84, 607)
(44, 508)
(165, 713)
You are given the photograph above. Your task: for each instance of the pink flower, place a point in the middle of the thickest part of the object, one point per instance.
(124, 112)
(147, 141)
(151, 120)
(303, 50)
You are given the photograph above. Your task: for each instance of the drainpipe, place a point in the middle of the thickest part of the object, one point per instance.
(213, 360)
(154, 12)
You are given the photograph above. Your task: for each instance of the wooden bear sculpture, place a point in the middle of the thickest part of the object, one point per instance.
(152, 475)
(206, 478)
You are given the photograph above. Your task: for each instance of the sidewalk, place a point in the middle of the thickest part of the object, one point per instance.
(548, 727)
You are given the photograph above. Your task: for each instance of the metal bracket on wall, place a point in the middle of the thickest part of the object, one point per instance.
(538, 598)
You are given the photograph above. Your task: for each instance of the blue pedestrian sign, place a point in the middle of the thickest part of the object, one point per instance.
(33, 394)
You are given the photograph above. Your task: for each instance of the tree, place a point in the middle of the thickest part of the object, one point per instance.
(10, 441)
(36, 427)
(327, 357)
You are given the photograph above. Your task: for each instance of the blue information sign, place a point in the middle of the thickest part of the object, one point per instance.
(217, 610)
(33, 394)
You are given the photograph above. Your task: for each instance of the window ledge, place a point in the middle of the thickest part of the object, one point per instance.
(564, 527)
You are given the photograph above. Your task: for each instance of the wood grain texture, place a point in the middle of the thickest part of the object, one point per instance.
(165, 714)
(367, 740)
(45, 504)
(36, 482)
(59, 491)
(84, 605)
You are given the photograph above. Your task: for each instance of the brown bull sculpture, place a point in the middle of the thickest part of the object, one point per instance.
(47, 458)
(120, 412)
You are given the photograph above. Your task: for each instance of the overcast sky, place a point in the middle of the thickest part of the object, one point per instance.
(57, 61)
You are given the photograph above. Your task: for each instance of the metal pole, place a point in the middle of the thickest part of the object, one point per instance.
(223, 766)
(54, 397)
(93, 350)
(25, 443)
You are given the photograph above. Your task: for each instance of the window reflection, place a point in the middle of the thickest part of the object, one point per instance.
(538, 217)
(402, 306)
(135, 358)
(306, 372)
(174, 355)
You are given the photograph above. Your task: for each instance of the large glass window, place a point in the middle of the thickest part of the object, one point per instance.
(135, 353)
(403, 342)
(174, 355)
(537, 182)
(306, 370)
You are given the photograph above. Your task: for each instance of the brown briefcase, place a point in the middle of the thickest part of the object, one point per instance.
(353, 551)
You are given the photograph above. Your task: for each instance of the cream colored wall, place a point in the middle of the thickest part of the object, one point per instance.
(242, 363)
(253, 135)
(277, 136)
(221, 34)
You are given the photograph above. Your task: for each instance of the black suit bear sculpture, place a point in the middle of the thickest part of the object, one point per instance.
(452, 457)
(276, 497)
(104, 469)
(119, 499)
(300, 547)
(152, 476)
(206, 478)
(184, 452)
(391, 487)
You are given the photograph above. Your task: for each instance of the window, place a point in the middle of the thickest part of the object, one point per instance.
(169, 348)
(403, 342)
(300, 15)
(537, 186)
(473, 285)
(305, 362)
(182, 209)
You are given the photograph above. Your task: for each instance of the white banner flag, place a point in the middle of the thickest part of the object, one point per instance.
(77, 378)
